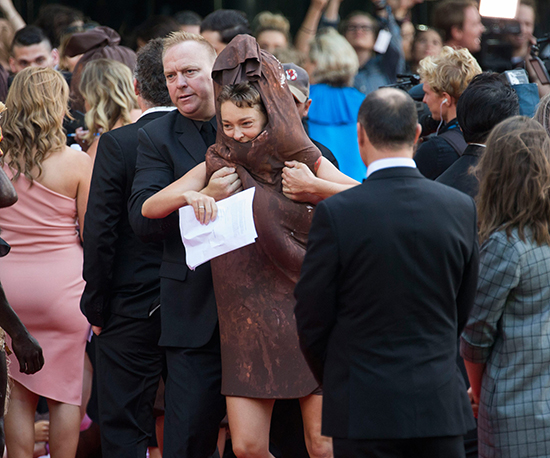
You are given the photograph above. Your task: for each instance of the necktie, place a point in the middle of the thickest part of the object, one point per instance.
(208, 133)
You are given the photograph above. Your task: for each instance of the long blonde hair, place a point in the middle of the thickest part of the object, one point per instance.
(33, 122)
(514, 175)
(107, 87)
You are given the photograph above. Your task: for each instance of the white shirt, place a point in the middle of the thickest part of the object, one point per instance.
(155, 109)
(390, 162)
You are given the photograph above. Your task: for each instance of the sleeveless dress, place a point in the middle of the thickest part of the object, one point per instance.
(42, 278)
(254, 285)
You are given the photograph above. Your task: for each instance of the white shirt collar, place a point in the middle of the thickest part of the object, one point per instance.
(390, 162)
(155, 109)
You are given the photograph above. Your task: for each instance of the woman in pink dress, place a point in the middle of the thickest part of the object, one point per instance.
(42, 276)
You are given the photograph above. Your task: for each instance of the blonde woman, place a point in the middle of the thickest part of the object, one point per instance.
(42, 276)
(272, 31)
(334, 103)
(110, 100)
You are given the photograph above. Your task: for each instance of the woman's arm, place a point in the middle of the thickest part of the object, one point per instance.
(190, 190)
(300, 184)
(12, 15)
(499, 274)
(307, 31)
(475, 375)
(83, 167)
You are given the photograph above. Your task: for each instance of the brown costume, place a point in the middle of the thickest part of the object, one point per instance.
(98, 43)
(254, 285)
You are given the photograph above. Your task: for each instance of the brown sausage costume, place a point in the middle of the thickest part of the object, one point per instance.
(254, 285)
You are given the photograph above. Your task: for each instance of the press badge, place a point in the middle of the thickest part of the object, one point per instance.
(383, 41)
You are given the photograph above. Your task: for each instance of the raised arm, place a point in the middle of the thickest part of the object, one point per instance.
(308, 29)
(11, 14)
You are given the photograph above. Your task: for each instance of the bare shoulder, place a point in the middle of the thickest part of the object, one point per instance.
(75, 158)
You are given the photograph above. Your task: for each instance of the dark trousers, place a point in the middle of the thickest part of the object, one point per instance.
(194, 406)
(423, 447)
(129, 365)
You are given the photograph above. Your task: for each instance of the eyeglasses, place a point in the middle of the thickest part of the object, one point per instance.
(359, 28)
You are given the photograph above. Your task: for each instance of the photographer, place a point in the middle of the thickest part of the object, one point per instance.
(444, 78)
(521, 43)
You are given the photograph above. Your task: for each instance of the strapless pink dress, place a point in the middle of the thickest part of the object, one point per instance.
(42, 278)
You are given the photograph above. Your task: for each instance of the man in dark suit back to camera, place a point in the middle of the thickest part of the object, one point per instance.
(386, 287)
(122, 278)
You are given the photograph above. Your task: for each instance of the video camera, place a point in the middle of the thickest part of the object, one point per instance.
(498, 18)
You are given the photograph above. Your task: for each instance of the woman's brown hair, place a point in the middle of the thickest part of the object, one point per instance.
(243, 95)
(514, 180)
(33, 123)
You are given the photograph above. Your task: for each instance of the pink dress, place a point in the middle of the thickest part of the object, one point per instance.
(42, 278)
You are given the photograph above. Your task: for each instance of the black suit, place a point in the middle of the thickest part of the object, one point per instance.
(169, 148)
(122, 290)
(387, 283)
(458, 175)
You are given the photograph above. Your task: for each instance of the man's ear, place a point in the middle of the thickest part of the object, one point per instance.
(361, 135)
(418, 132)
(307, 104)
(456, 33)
(11, 61)
(136, 91)
(55, 57)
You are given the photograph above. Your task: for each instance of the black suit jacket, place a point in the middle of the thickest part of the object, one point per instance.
(168, 148)
(120, 270)
(387, 283)
(458, 175)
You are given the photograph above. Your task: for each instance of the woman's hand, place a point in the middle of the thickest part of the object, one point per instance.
(79, 135)
(205, 207)
(42, 431)
(298, 179)
(223, 183)
(473, 401)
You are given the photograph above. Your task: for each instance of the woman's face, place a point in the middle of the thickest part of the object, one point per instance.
(242, 124)
(271, 40)
(428, 44)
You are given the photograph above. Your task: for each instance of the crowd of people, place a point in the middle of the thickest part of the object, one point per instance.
(366, 320)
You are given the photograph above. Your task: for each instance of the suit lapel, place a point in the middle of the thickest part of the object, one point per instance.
(190, 138)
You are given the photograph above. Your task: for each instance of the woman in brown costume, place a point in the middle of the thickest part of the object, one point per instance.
(258, 131)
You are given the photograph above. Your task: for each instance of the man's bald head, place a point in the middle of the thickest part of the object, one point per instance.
(389, 118)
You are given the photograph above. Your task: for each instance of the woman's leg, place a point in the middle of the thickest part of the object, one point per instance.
(318, 446)
(86, 385)
(249, 422)
(64, 429)
(19, 422)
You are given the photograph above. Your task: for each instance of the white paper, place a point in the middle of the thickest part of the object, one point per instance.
(383, 41)
(233, 228)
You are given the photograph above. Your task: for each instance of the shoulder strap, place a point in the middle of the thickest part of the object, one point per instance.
(455, 138)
